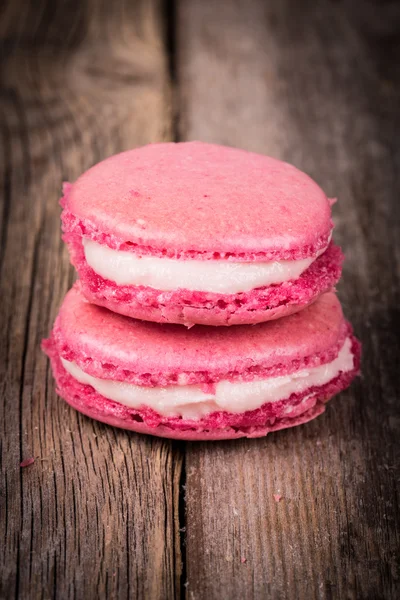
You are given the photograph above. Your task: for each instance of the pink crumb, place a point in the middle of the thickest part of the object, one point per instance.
(243, 560)
(277, 497)
(27, 462)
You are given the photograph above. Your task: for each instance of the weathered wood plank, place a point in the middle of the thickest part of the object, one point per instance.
(306, 82)
(96, 515)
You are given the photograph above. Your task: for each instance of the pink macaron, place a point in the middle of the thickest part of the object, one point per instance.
(196, 233)
(206, 383)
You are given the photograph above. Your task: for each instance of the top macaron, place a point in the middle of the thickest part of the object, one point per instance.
(197, 233)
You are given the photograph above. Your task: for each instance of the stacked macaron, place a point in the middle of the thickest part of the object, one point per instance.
(172, 236)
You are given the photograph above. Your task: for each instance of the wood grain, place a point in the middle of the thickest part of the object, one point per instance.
(311, 83)
(96, 515)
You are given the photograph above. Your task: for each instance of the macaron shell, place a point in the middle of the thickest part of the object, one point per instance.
(217, 426)
(204, 198)
(111, 346)
(189, 316)
(191, 434)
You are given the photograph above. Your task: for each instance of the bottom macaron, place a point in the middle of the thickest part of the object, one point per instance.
(206, 383)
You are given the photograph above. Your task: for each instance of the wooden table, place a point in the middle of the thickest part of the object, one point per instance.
(107, 514)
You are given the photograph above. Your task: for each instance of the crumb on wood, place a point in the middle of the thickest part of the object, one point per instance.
(277, 497)
(243, 560)
(27, 462)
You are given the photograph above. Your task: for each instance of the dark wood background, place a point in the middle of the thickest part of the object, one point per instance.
(105, 513)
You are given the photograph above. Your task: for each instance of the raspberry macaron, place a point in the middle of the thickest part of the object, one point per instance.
(206, 383)
(197, 233)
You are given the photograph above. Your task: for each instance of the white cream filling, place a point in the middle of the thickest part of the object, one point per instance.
(166, 274)
(190, 402)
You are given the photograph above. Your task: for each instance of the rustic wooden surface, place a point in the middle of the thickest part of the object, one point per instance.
(103, 513)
